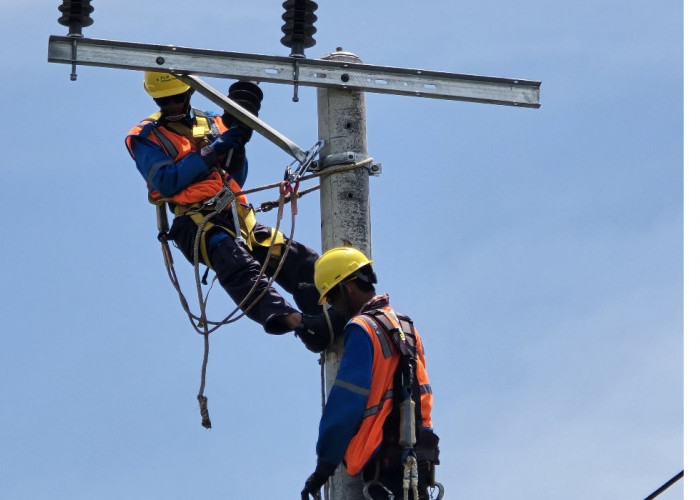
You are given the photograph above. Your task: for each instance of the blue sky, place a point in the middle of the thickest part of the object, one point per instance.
(540, 253)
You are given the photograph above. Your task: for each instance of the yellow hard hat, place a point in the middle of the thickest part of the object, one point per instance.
(334, 266)
(163, 84)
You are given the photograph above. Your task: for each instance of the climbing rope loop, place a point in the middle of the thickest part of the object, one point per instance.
(225, 199)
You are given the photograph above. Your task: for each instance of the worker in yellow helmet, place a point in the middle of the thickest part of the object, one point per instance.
(377, 419)
(186, 157)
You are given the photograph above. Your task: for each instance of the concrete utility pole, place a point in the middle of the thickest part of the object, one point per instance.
(341, 79)
(345, 215)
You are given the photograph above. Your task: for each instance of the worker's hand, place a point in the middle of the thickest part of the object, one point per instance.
(231, 139)
(315, 482)
(315, 332)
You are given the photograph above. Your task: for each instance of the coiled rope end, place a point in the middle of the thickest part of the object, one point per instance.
(206, 423)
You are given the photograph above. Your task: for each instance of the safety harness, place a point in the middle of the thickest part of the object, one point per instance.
(204, 132)
(400, 427)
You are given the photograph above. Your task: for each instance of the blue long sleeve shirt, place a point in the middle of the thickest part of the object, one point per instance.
(348, 396)
(165, 175)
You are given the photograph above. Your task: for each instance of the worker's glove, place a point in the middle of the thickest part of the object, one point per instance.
(315, 332)
(247, 95)
(231, 139)
(315, 482)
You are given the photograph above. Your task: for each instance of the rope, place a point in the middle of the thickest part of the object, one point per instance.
(206, 422)
(336, 169)
(292, 197)
(269, 205)
(200, 323)
(322, 362)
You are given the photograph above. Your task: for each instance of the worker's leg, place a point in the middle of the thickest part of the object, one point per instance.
(237, 271)
(296, 275)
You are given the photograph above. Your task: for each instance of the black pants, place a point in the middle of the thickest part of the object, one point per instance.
(237, 269)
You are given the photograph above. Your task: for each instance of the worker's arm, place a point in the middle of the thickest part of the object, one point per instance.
(169, 177)
(159, 170)
(348, 397)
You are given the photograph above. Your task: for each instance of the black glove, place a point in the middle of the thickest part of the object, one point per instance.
(247, 95)
(231, 139)
(315, 482)
(314, 332)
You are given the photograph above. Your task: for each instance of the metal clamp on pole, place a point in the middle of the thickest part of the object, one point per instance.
(346, 158)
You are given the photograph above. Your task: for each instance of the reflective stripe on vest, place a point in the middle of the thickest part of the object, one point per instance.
(369, 436)
(374, 409)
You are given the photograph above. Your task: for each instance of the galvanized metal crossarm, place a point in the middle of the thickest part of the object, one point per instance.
(310, 72)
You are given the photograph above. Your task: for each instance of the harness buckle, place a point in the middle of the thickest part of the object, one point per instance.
(221, 200)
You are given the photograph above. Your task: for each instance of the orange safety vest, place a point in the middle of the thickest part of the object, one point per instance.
(179, 144)
(385, 360)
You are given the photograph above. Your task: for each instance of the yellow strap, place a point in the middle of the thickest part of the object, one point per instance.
(202, 128)
(246, 215)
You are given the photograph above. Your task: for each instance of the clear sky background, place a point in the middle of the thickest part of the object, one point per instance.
(539, 252)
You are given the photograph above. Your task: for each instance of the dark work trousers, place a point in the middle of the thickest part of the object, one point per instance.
(237, 269)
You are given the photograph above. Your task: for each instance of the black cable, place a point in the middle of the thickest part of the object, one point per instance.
(665, 486)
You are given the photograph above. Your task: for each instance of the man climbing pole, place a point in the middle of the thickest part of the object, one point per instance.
(378, 415)
(187, 157)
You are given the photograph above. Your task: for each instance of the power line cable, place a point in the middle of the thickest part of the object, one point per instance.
(665, 486)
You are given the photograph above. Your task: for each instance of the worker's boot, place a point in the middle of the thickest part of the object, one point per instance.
(318, 331)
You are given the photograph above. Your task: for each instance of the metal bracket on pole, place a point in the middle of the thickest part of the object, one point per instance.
(244, 116)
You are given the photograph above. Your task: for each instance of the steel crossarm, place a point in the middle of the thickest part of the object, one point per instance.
(305, 72)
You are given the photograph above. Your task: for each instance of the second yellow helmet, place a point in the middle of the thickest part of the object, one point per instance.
(334, 266)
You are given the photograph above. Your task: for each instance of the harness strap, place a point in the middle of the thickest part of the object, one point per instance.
(384, 341)
(246, 223)
(399, 330)
(402, 336)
